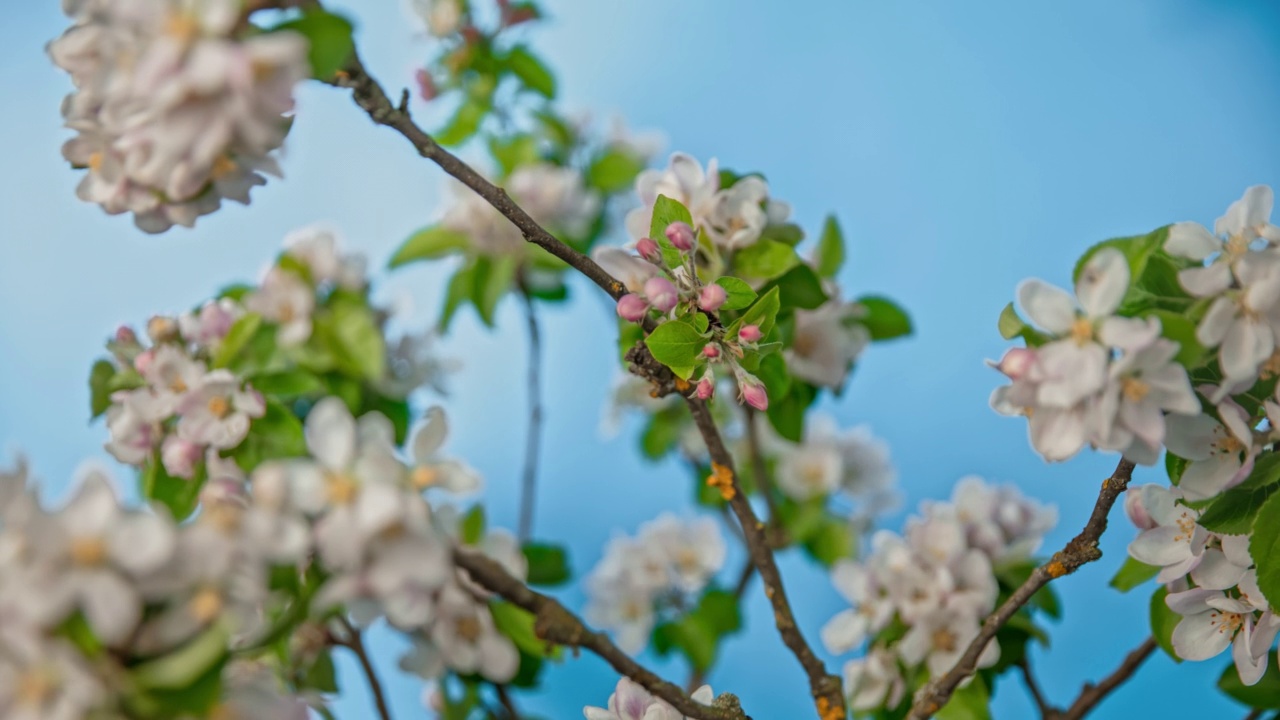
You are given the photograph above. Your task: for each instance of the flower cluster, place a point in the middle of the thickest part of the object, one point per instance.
(142, 587)
(639, 577)
(936, 583)
(554, 196)
(632, 702)
(1212, 580)
(733, 217)
(176, 107)
(1100, 379)
(827, 341)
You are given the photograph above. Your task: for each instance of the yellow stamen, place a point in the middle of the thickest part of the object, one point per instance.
(341, 489)
(219, 407)
(944, 640)
(35, 687)
(1134, 389)
(223, 167)
(424, 477)
(1082, 331)
(88, 551)
(206, 605)
(95, 162)
(182, 26)
(468, 628)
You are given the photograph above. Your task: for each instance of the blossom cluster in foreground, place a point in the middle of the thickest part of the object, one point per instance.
(176, 107)
(657, 571)
(632, 702)
(936, 582)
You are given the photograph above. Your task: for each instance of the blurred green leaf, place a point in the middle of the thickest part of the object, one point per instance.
(884, 319)
(1264, 694)
(830, 248)
(532, 71)
(99, 395)
(614, 171)
(241, 332)
(548, 564)
(1132, 574)
(765, 259)
(329, 41)
(665, 212)
(1163, 621)
(1264, 546)
(429, 243)
(800, 287)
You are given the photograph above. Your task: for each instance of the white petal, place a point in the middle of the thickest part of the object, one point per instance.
(1206, 281)
(1197, 637)
(1049, 307)
(844, 632)
(331, 433)
(431, 435)
(1103, 282)
(1215, 572)
(1157, 546)
(1216, 322)
(1205, 478)
(1191, 240)
(111, 606)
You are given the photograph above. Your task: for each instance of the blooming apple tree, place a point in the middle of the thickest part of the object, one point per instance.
(293, 488)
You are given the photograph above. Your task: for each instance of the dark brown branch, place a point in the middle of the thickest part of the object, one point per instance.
(370, 96)
(1081, 550)
(353, 642)
(825, 687)
(555, 624)
(1047, 711)
(508, 703)
(1092, 694)
(529, 481)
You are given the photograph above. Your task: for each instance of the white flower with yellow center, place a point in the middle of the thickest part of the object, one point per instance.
(218, 412)
(430, 470)
(1221, 453)
(1143, 384)
(287, 300)
(1176, 543)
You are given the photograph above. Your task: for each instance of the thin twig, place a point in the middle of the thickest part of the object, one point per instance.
(824, 687)
(1092, 694)
(1082, 549)
(555, 624)
(529, 484)
(355, 643)
(508, 703)
(1047, 711)
(1254, 714)
(744, 578)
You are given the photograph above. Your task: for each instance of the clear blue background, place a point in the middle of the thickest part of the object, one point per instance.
(963, 145)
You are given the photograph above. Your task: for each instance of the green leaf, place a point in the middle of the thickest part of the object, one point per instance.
(698, 633)
(832, 541)
(1163, 621)
(1233, 512)
(1264, 694)
(329, 41)
(763, 313)
(179, 669)
(1132, 574)
(287, 383)
(531, 71)
(1012, 326)
(800, 287)
(322, 675)
(830, 248)
(465, 121)
(493, 277)
(360, 346)
(765, 259)
(884, 319)
(1174, 466)
(517, 624)
(970, 702)
(677, 345)
(548, 564)
(460, 290)
(1137, 250)
(614, 171)
(1182, 330)
(277, 434)
(241, 332)
(473, 524)
(738, 294)
(179, 495)
(99, 394)
(665, 212)
(522, 149)
(429, 243)
(1264, 546)
(196, 699)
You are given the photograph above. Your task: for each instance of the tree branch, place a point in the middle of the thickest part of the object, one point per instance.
(529, 483)
(1047, 711)
(370, 96)
(1082, 549)
(353, 642)
(776, 534)
(555, 624)
(1092, 694)
(825, 688)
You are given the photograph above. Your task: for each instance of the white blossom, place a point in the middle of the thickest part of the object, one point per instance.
(432, 471)
(1176, 543)
(630, 701)
(827, 342)
(284, 299)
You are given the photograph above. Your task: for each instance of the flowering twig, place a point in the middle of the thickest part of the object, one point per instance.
(508, 703)
(1082, 549)
(352, 641)
(825, 688)
(529, 481)
(557, 625)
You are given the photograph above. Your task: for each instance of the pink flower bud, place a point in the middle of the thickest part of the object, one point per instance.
(1136, 509)
(712, 297)
(750, 333)
(706, 388)
(1016, 362)
(661, 293)
(126, 336)
(755, 396)
(648, 250)
(711, 351)
(680, 235)
(632, 307)
(180, 456)
(143, 362)
(427, 89)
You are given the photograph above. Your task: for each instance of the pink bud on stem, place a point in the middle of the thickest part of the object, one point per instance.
(706, 387)
(681, 235)
(648, 250)
(711, 351)
(1016, 362)
(632, 307)
(753, 393)
(750, 333)
(661, 294)
(712, 297)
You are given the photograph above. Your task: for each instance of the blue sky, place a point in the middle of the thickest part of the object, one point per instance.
(963, 150)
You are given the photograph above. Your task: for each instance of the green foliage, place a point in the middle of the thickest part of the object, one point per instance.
(884, 318)
(493, 278)
(1265, 694)
(1163, 621)
(329, 41)
(1174, 467)
(764, 313)
(1233, 512)
(321, 674)
(473, 525)
(429, 243)
(765, 259)
(99, 394)
(800, 287)
(277, 434)
(830, 248)
(1264, 546)
(181, 668)
(698, 633)
(511, 153)
(236, 339)
(1181, 329)
(1153, 273)
(678, 345)
(663, 430)
(1012, 326)
(665, 212)
(532, 71)
(613, 171)
(179, 495)
(287, 383)
(517, 624)
(738, 294)
(548, 564)
(1132, 574)
(969, 702)
(466, 120)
